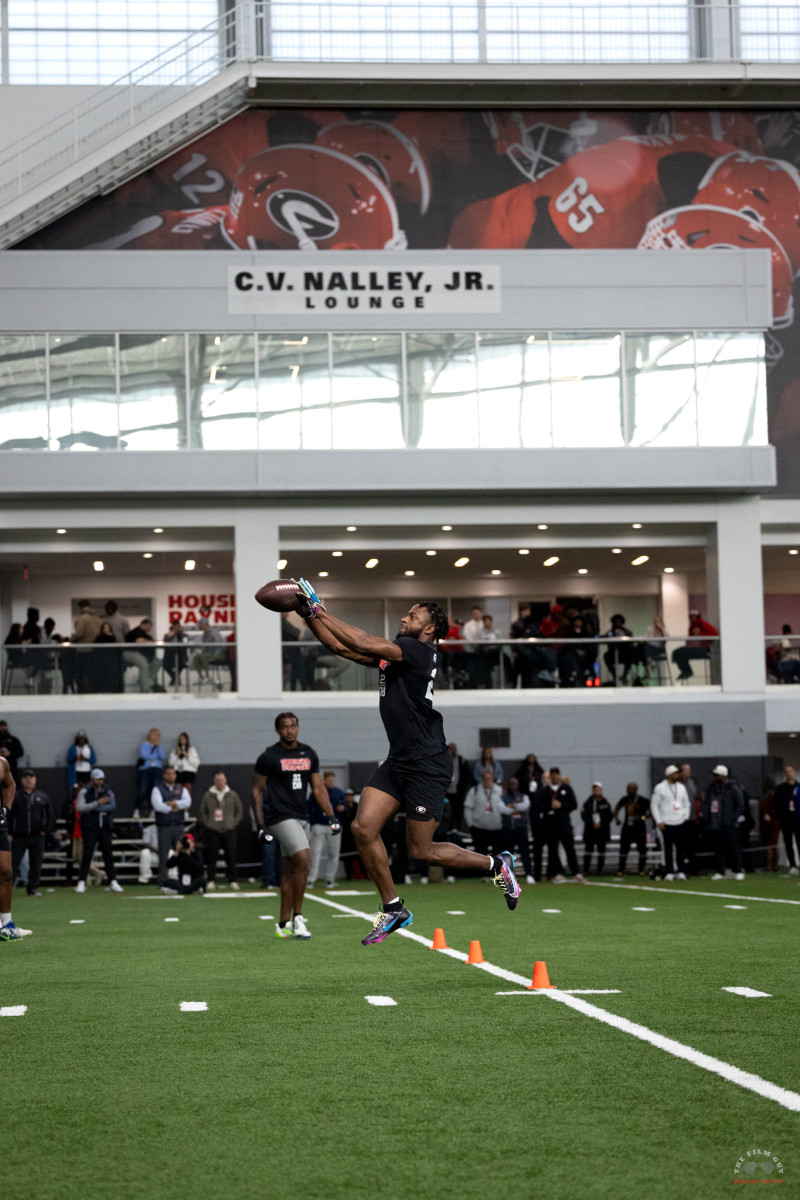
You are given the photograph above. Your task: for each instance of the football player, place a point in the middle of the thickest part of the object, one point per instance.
(9, 932)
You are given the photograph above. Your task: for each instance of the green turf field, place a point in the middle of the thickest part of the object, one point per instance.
(292, 1085)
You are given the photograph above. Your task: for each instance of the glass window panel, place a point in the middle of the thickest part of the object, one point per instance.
(442, 390)
(83, 392)
(152, 391)
(507, 363)
(222, 391)
(294, 391)
(731, 389)
(23, 396)
(366, 391)
(661, 389)
(586, 393)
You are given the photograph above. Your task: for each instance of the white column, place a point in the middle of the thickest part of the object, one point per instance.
(258, 655)
(740, 594)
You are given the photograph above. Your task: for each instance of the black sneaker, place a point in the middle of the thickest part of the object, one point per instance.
(386, 923)
(505, 879)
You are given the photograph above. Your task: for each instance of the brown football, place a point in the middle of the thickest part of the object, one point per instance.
(280, 595)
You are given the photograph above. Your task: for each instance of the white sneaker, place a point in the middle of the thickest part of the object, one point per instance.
(299, 927)
(559, 879)
(423, 878)
(717, 876)
(210, 885)
(450, 879)
(792, 870)
(680, 875)
(669, 878)
(530, 880)
(739, 875)
(140, 880)
(235, 887)
(579, 878)
(81, 886)
(407, 880)
(115, 886)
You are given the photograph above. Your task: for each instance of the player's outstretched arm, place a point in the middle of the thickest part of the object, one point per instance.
(355, 642)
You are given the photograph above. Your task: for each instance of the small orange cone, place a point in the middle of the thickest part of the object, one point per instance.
(475, 955)
(438, 940)
(540, 977)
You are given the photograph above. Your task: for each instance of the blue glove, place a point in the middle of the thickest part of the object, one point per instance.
(334, 824)
(310, 603)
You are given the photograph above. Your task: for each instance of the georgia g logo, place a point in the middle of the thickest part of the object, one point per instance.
(302, 214)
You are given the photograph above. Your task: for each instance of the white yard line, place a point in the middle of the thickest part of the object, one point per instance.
(743, 1079)
(678, 891)
(194, 1006)
(751, 993)
(381, 1001)
(14, 1010)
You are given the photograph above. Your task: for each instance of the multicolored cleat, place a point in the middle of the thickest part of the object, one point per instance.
(386, 923)
(505, 879)
(13, 933)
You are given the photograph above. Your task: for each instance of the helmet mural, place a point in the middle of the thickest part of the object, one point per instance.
(396, 159)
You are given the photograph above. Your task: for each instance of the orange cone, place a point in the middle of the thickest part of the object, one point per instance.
(438, 940)
(475, 955)
(540, 977)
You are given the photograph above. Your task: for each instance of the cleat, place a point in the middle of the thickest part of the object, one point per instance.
(386, 923)
(506, 880)
(286, 932)
(12, 932)
(300, 928)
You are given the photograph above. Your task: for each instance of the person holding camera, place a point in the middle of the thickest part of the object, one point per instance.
(188, 861)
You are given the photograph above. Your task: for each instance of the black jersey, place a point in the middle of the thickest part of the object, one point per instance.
(288, 775)
(412, 724)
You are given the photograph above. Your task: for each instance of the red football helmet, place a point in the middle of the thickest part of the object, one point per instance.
(707, 227)
(535, 147)
(732, 128)
(310, 198)
(388, 153)
(768, 189)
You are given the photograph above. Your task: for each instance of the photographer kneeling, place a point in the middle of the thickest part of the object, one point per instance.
(191, 868)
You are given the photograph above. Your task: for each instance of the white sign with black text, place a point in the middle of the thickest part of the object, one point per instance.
(404, 286)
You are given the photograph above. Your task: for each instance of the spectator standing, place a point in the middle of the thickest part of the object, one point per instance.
(483, 814)
(174, 660)
(346, 816)
(30, 820)
(170, 801)
(87, 627)
(473, 632)
(185, 759)
(539, 821)
(786, 811)
(634, 826)
(596, 813)
(120, 625)
(151, 765)
(723, 811)
(460, 784)
(108, 665)
(220, 815)
(514, 807)
(10, 747)
(144, 656)
(669, 805)
(697, 647)
(81, 759)
(486, 762)
(527, 661)
(769, 827)
(32, 636)
(691, 828)
(325, 847)
(529, 774)
(188, 862)
(789, 661)
(96, 804)
(559, 828)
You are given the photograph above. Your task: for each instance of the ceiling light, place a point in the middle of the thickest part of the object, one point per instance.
(431, 553)
(352, 528)
(98, 566)
(147, 555)
(791, 551)
(523, 551)
(637, 562)
(496, 572)
(217, 341)
(542, 526)
(281, 564)
(159, 530)
(616, 550)
(636, 525)
(61, 531)
(336, 553)
(189, 565)
(370, 563)
(409, 572)
(550, 562)
(669, 570)
(461, 562)
(323, 574)
(793, 735)
(447, 528)
(583, 570)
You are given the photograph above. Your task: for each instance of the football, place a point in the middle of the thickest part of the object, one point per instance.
(280, 595)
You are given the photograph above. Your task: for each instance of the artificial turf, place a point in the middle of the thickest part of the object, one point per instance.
(291, 1085)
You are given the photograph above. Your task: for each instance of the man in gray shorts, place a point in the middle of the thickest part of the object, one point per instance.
(281, 780)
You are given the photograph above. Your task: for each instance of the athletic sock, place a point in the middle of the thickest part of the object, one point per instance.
(393, 905)
(283, 924)
(5, 918)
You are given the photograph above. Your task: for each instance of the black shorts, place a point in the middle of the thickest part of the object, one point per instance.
(421, 786)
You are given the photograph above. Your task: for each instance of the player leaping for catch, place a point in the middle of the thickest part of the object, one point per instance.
(9, 932)
(419, 768)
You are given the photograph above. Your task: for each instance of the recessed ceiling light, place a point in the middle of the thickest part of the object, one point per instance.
(637, 562)
(616, 550)
(636, 525)
(550, 562)
(523, 551)
(98, 566)
(409, 572)
(447, 528)
(669, 570)
(793, 735)
(431, 553)
(336, 553)
(461, 562)
(583, 570)
(542, 526)
(496, 572)
(189, 565)
(147, 555)
(159, 530)
(281, 564)
(370, 563)
(323, 574)
(791, 551)
(352, 529)
(61, 531)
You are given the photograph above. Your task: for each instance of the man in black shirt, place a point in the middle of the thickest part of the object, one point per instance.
(286, 770)
(419, 768)
(634, 827)
(9, 932)
(786, 812)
